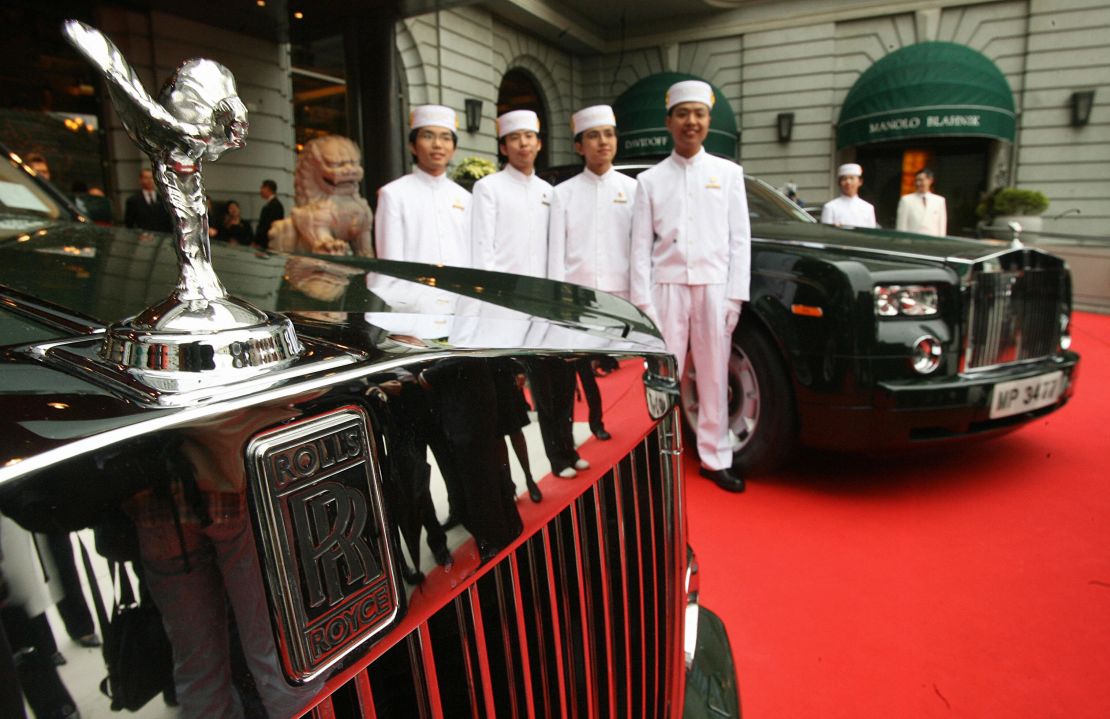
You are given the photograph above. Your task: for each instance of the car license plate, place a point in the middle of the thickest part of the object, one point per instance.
(1023, 395)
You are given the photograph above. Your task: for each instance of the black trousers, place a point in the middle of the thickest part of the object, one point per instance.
(73, 608)
(585, 369)
(553, 381)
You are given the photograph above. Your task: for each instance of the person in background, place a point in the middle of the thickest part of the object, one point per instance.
(691, 263)
(92, 203)
(234, 230)
(38, 163)
(272, 211)
(849, 210)
(591, 226)
(790, 189)
(921, 211)
(145, 210)
(509, 233)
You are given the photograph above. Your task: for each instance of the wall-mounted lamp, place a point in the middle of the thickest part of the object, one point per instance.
(473, 114)
(1081, 104)
(784, 124)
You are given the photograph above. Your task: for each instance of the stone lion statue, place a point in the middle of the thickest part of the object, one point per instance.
(329, 216)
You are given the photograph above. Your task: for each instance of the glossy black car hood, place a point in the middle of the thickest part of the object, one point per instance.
(107, 274)
(878, 243)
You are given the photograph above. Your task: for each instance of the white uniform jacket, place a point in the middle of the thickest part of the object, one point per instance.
(849, 212)
(423, 218)
(420, 218)
(690, 226)
(509, 225)
(926, 214)
(591, 229)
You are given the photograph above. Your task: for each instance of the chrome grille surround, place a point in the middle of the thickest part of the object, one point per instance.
(1015, 301)
(582, 618)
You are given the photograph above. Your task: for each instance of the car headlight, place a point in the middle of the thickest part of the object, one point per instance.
(905, 300)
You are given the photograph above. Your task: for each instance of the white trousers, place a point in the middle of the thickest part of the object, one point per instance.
(693, 316)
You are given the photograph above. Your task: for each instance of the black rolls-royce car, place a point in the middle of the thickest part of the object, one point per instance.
(873, 340)
(327, 515)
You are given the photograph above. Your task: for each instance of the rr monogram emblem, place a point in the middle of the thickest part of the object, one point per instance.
(328, 522)
(317, 496)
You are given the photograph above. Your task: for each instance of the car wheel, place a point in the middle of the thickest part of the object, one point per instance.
(761, 412)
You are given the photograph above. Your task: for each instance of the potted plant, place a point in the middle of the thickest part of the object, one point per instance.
(472, 169)
(1012, 204)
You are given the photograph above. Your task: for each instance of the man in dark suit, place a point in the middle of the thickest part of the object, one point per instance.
(272, 211)
(144, 209)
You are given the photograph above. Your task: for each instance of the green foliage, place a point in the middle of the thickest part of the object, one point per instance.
(1013, 201)
(472, 169)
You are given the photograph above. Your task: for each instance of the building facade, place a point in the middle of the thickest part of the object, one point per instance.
(803, 58)
(786, 69)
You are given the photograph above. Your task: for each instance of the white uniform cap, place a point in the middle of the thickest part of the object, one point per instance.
(591, 117)
(433, 116)
(516, 120)
(849, 168)
(690, 91)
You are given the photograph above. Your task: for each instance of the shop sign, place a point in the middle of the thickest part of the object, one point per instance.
(977, 122)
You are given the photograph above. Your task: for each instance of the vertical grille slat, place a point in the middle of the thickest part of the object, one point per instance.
(522, 636)
(580, 620)
(585, 604)
(481, 650)
(509, 666)
(365, 696)
(427, 658)
(1014, 311)
(467, 646)
(556, 624)
(324, 710)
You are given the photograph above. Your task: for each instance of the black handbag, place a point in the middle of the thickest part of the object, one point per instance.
(137, 652)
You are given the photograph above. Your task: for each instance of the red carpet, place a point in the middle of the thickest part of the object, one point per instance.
(973, 582)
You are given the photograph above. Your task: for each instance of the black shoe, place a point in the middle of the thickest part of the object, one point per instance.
(534, 493)
(88, 640)
(600, 433)
(442, 556)
(57, 659)
(726, 479)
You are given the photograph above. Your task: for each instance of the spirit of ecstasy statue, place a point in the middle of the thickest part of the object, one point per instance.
(197, 117)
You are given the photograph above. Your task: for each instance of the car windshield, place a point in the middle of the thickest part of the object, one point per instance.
(766, 204)
(21, 195)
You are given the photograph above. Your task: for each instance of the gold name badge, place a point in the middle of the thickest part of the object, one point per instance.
(620, 198)
(458, 205)
(713, 184)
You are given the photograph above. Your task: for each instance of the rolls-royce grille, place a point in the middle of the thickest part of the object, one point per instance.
(580, 620)
(1014, 315)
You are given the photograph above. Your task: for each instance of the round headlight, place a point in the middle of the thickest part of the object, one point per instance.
(926, 356)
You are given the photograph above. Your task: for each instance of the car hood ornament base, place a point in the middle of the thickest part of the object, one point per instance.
(199, 328)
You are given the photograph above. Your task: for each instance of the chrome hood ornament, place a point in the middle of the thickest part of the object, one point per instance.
(199, 335)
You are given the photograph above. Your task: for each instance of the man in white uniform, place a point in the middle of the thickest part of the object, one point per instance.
(921, 211)
(511, 207)
(509, 234)
(849, 210)
(591, 226)
(423, 217)
(691, 263)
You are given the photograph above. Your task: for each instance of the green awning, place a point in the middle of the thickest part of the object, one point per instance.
(641, 113)
(927, 90)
